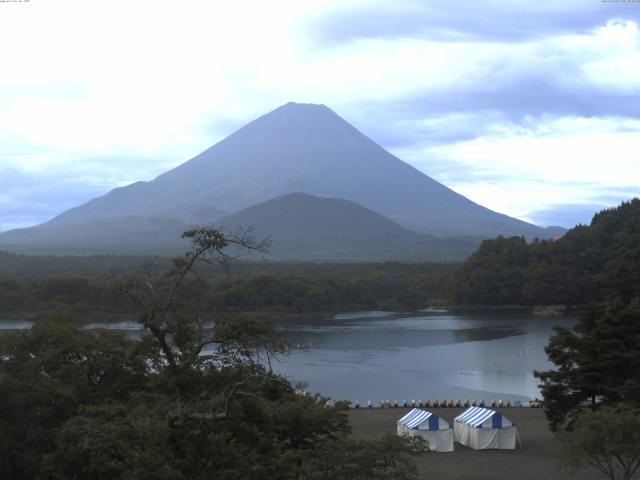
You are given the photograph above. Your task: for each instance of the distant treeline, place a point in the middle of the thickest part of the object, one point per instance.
(582, 267)
(85, 285)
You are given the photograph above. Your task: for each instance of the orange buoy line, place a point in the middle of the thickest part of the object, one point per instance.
(443, 404)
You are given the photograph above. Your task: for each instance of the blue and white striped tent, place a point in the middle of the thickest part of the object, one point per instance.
(481, 428)
(429, 426)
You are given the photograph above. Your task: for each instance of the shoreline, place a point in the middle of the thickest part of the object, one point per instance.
(442, 404)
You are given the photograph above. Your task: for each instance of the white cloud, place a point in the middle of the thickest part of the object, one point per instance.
(107, 93)
(521, 169)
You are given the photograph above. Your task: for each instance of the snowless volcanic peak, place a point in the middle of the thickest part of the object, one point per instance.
(304, 148)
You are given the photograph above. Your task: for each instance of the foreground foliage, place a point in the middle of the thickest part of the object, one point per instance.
(607, 440)
(597, 362)
(183, 402)
(592, 398)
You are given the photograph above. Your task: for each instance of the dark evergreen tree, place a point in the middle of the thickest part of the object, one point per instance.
(585, 265)
(597, 362)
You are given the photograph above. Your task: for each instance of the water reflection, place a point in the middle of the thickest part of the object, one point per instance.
(431, 355)
(434, 355)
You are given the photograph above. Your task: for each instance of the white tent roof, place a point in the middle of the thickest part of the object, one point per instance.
(418, 418)
(479, 417)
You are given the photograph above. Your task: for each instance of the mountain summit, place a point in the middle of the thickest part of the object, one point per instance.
(298, 148)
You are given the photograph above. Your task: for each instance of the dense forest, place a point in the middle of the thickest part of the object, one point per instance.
(35, 286)
(581, 267)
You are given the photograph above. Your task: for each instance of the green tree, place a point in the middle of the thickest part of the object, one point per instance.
(585, 265)
(390, 457)
(248, 341)
(172, 322)
(98, 405)
(46, 377)
(598, 362)
(126, 441)
(607, 440)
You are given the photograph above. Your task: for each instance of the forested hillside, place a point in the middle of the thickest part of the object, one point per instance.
(581, 267)
(35, 286)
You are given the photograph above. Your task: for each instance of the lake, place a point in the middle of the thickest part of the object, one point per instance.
(429, 355)
(373, 356)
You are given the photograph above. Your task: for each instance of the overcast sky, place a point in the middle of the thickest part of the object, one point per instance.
(529, 108)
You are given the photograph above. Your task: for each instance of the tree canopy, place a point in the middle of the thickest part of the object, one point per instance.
(597, 362)
(607, 440)
(186, 401)
(583, 266)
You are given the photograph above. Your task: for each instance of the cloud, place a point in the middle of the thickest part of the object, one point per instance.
(29, 199)
(525, 169)
(482, 96)
(487, 21)
(445, 90)
(569, 215)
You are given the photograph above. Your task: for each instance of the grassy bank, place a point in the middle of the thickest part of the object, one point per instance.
(537, 460)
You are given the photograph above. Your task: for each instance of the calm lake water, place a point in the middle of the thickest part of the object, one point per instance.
(430, 355)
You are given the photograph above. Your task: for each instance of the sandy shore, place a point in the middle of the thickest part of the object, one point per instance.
(538, 460)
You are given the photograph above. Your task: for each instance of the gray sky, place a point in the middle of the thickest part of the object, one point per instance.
(529, 108)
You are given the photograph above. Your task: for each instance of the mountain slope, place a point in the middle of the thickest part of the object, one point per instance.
(302, 226)
(133, 235)
(302, 148)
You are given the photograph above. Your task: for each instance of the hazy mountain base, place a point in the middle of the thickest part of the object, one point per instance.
(300, 227)
(304, 227)
(128, 235)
